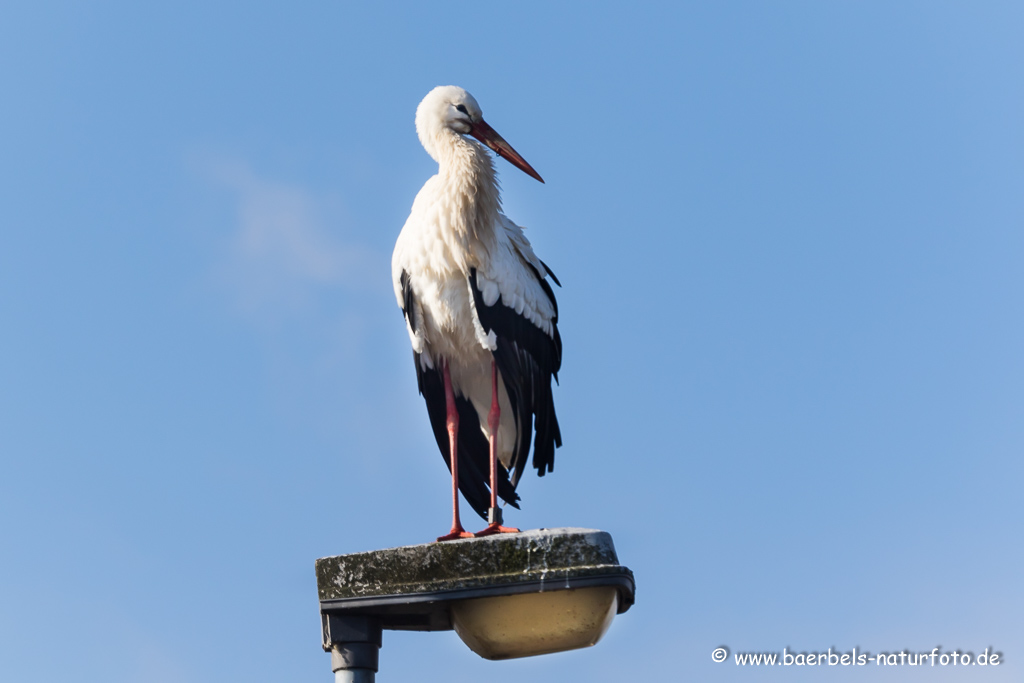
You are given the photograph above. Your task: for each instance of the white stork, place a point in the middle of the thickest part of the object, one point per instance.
(478, 307)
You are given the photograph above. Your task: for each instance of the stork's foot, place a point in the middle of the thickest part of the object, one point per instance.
(494, 526)
(457, 532)
(496, 529)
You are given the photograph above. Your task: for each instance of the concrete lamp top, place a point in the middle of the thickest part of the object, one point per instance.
(412, 587)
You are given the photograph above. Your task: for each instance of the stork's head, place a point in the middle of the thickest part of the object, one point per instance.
(449, 108)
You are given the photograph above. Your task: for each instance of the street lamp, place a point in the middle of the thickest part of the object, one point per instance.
(506, 595)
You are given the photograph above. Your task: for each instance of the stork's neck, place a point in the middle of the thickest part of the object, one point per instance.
(467, 174)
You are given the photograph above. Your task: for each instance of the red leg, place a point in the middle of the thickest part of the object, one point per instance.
(453, 441)
(493, 420)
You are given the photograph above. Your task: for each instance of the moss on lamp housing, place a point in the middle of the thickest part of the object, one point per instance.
(537, 555)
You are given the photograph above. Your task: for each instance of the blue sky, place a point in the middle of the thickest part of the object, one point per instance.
(790, 239)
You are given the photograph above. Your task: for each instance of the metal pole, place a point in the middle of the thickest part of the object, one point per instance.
(354, 643)
(354, 676)
(346, 660)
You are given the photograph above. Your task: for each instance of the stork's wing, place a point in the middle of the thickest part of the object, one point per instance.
(514, 301)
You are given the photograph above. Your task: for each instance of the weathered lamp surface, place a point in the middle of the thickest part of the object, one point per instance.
(507, 595)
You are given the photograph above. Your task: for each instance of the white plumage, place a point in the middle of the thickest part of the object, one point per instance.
(475, 298)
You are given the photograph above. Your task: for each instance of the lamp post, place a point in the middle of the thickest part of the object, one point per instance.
(506, 595)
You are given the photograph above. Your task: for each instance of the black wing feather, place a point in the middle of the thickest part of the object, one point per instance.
(551, 273)
(528, 360)
(407, 301)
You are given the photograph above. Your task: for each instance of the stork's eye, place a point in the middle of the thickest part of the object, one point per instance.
(462, 108)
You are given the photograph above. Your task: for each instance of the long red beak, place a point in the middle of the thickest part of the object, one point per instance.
(487, 135)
